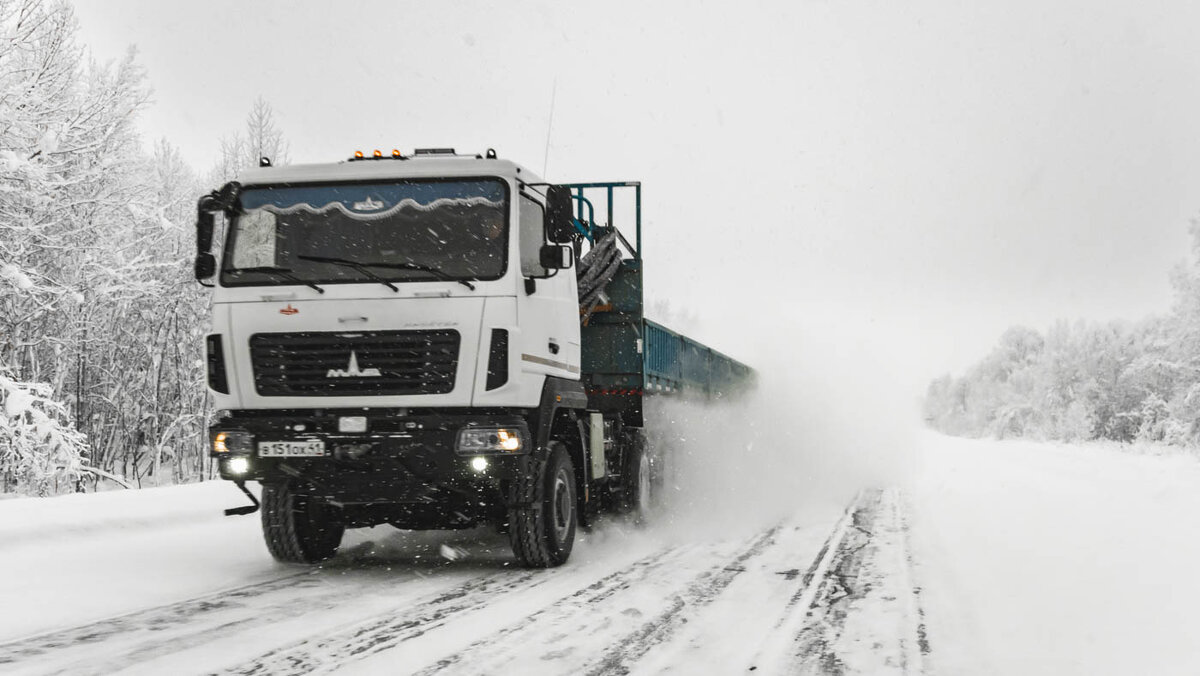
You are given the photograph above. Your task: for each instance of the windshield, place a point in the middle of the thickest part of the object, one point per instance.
(399, 232)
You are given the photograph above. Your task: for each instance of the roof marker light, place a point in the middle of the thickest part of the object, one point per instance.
(396, 154)
(358, 154)
(378, 154)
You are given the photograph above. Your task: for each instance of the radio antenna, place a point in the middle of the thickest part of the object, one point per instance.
(549, 128)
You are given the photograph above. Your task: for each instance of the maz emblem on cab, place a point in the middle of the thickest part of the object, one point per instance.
(368, 205)
(353, 371)
(289, 310)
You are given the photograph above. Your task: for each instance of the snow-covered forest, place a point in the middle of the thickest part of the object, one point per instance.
(1122, 380)
(101, 375)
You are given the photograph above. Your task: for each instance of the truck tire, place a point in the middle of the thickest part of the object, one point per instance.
(297, 527)
(636, 483)
(542, 534)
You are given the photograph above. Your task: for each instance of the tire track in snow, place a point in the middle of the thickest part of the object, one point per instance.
(701, 591)
(501, 645)
(338, 594)
(827, 614)
(157, 619)
(920, 648)
(327, 651)
(143, 636)
(384, 632)
(818, 570)
(858, 610)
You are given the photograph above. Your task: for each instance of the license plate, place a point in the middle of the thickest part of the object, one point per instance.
(291, 449)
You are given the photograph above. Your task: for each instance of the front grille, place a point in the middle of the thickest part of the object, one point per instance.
(377, 363)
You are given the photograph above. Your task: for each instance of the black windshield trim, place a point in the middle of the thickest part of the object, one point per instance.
(227, 246)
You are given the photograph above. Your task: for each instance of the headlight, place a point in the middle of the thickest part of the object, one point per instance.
(232, 441)
(238, 465)
(473, 440)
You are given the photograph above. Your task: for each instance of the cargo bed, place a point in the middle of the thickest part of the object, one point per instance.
(627, 356)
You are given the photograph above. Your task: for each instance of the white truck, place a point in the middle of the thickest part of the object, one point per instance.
(435, 341)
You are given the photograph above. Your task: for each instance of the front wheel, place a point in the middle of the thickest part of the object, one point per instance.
(297, 527)
(542, 534)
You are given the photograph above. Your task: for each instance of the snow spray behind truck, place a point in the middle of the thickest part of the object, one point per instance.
(435, 341)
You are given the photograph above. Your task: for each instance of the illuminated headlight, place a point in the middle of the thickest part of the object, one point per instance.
(479, 464)
(489, 440)
(232, 441)
(355, 424)
(238, 465)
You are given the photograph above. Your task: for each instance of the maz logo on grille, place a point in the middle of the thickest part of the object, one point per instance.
(353, 371)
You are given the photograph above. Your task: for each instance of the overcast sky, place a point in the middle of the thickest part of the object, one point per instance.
(905, 178)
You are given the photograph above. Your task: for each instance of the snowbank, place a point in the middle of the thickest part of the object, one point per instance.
(77, 558)
(31, 520)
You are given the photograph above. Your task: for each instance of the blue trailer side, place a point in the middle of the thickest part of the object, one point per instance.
(676, 363)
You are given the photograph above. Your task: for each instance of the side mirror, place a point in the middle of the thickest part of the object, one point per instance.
(206, 266)
(560, 225)
(204, 230)
(556, 256)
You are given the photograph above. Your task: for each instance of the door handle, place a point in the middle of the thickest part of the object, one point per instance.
(352, 320)
(553, 347)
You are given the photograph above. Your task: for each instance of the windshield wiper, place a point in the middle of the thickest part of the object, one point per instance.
(286, 273)
(388, 264)
(361, 267)
(425, 268)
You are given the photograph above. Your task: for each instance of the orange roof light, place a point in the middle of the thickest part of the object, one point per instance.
(378, 154)
(395, 153)
(358, 154)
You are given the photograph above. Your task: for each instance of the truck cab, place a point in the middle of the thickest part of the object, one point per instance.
(434, 260)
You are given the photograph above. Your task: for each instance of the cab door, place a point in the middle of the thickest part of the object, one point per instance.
(547, 304)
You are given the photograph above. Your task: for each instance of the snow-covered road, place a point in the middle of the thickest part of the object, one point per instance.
(102, 600)
(1050, 559)
(171, 587)
(1005, 558)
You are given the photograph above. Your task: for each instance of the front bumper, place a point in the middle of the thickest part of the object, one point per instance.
(400, 458)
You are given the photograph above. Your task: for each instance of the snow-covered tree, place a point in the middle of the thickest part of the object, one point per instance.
(99, 319)
(1123, 381)
(40, 451)
(262, 138)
